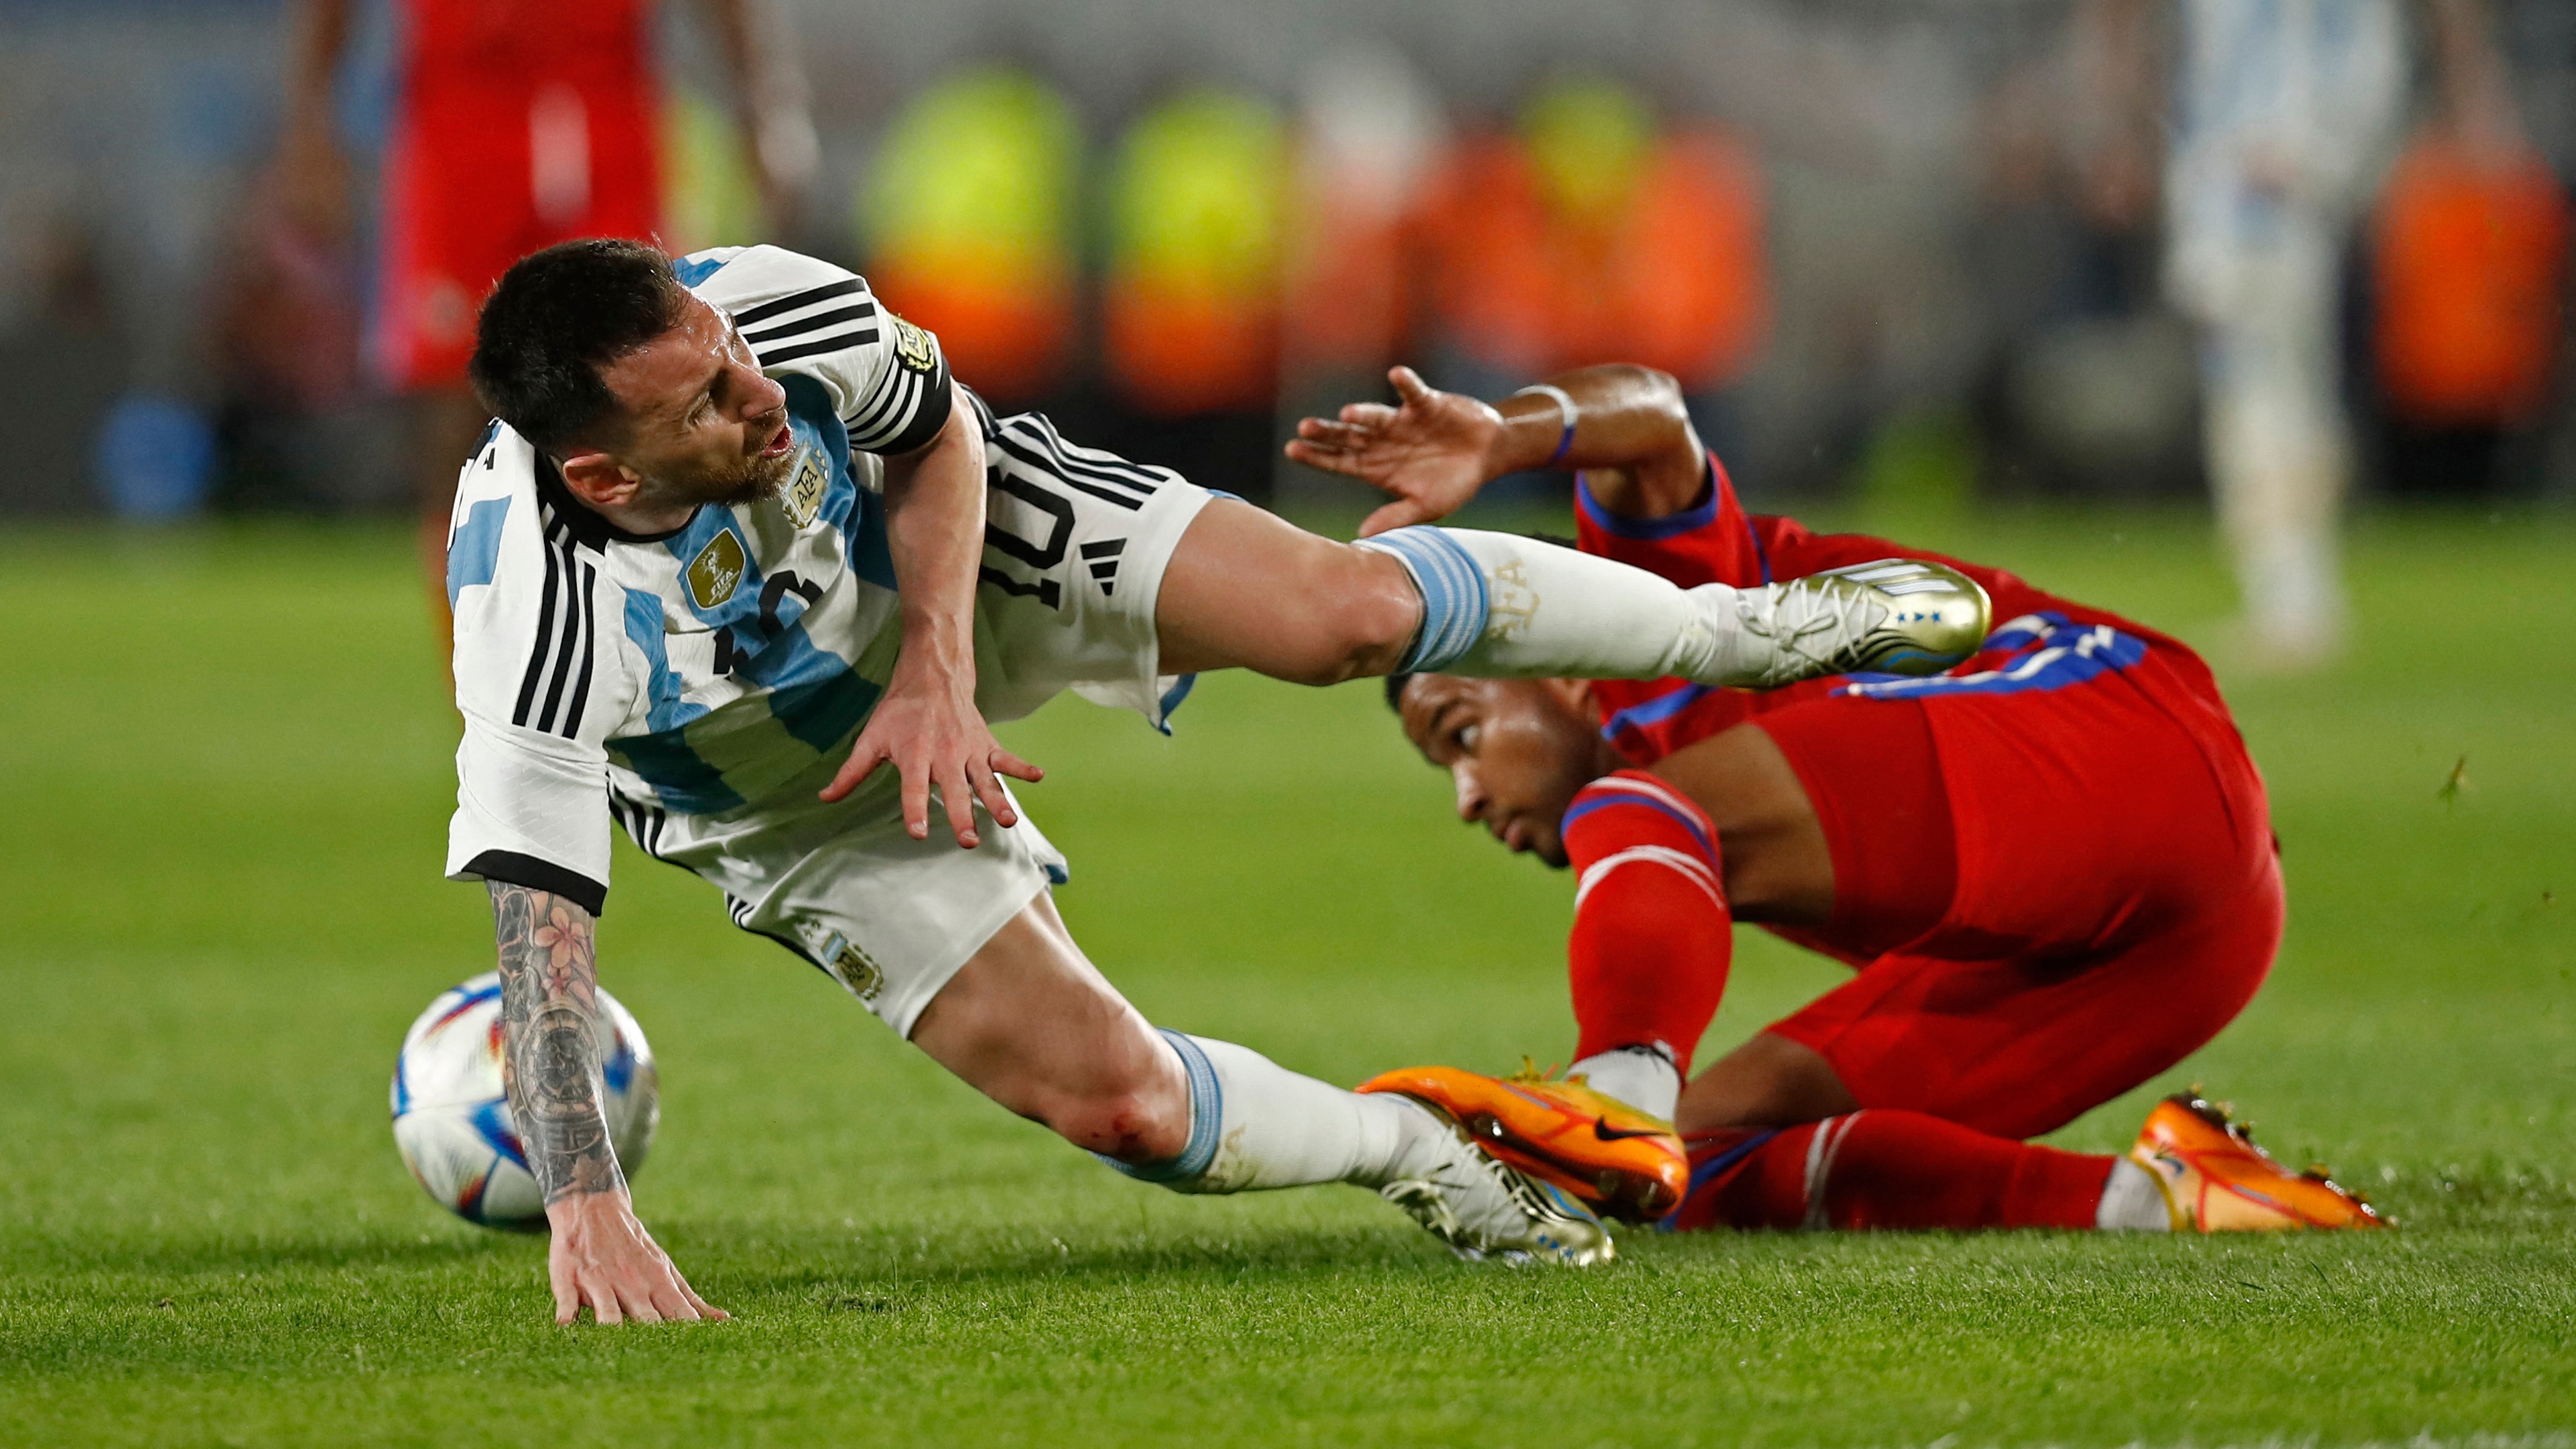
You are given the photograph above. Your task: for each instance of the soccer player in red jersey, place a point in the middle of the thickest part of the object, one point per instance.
(2052, 870)
(516, 125)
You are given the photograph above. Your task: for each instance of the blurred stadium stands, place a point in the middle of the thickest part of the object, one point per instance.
(1906, 247)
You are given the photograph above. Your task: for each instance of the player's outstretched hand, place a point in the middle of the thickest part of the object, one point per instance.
(603, 1260)
(1432, 450)
(928, 728)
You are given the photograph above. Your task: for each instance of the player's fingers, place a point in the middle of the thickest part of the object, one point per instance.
(916, 799)
(959, 798)
(1328, 433)
(602, 1296)
(1369, 415)
(1402, 513)
(1409, 385)
(1331, 460)
(997, 801)
(636, 1302)
(567, 1292)
(671, 1299)
(706, 1310)
(864, 758)
(1006, 763)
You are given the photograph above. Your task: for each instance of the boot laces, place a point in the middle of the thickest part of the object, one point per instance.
(1824, 615)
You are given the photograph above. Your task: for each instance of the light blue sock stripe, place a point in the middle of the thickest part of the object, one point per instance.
(1454, 600)
(1207, 1115)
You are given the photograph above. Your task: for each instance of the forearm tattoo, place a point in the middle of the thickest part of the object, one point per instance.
(550, 1058)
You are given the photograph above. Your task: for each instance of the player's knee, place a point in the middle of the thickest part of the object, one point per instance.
(1360, 613)
(1133, 1126)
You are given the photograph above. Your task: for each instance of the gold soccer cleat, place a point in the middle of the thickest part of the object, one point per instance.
(1599, 1150)
(1893, 616)
(2216, 1180)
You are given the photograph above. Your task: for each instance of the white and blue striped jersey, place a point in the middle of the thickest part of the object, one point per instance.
(696, 672)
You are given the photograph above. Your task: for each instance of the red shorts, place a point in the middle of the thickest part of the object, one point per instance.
(479, 175)
(2052, 895)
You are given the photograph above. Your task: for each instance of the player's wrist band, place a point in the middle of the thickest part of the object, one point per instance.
(1566, 408)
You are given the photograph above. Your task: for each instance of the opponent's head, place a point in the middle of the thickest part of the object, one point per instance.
(641, 393)
(1518, 749)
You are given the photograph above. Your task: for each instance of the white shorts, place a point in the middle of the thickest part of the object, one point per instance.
(1076, 542)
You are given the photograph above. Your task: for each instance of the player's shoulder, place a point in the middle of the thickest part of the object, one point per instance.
(504, 525)
(757, 283)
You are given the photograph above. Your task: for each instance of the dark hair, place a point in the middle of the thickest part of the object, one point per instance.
(554, 320)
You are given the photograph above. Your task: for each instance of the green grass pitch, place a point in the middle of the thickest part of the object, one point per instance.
(226, 767)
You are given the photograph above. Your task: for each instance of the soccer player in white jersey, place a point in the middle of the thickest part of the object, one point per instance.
(738, 539)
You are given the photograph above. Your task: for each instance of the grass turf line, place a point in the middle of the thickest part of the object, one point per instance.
(228, 777)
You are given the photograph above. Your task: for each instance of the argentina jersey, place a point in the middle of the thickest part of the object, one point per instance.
(697, 672)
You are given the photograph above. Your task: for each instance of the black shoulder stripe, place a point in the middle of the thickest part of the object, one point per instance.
(792, 351)
(802, 325)
(806, 298)
(543, 648)
(894, 390)
(589, 652)
(576, 632)
(923, 414)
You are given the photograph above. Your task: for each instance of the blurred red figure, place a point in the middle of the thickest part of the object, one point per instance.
(516, 125)
(510, 136)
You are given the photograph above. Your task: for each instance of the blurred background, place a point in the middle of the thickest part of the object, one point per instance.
(1913, 255)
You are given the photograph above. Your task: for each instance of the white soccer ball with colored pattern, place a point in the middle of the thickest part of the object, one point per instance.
(452, 1119)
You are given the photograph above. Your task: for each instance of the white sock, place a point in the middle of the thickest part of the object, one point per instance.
(1255, 1124)
(2133, 1201)
(1644, 1077)
(1500, 606)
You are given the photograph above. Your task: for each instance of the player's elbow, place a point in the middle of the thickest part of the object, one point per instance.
(1657, 392)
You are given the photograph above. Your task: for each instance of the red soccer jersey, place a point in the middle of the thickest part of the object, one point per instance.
(520, 125)
(2041, 642)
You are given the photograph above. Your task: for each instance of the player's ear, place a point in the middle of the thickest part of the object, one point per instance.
(599, 480)
(1574, 694)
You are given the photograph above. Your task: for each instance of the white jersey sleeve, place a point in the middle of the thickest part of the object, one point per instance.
(887, 379)
(541, 679)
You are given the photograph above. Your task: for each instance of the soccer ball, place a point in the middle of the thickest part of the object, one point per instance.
(452, 1119)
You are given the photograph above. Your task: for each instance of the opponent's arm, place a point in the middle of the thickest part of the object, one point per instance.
(769, 103)
(1632, 441)
(927, 723)
(600, 1256)
(312, 172)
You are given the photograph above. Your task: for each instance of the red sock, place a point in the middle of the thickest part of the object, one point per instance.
(1887, 1169)
(1652, 934)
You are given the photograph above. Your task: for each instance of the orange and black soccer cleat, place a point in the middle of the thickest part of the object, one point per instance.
(2216, 1180)
(1601, 1151)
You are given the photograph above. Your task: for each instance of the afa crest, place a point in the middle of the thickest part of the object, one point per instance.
(717, 570)
(859, 973)
(913, 347)
(803, 500)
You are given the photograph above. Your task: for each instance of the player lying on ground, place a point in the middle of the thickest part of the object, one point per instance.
(2052, 868)
(729, 549)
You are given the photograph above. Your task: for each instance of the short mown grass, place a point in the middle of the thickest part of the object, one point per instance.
(226, 764)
